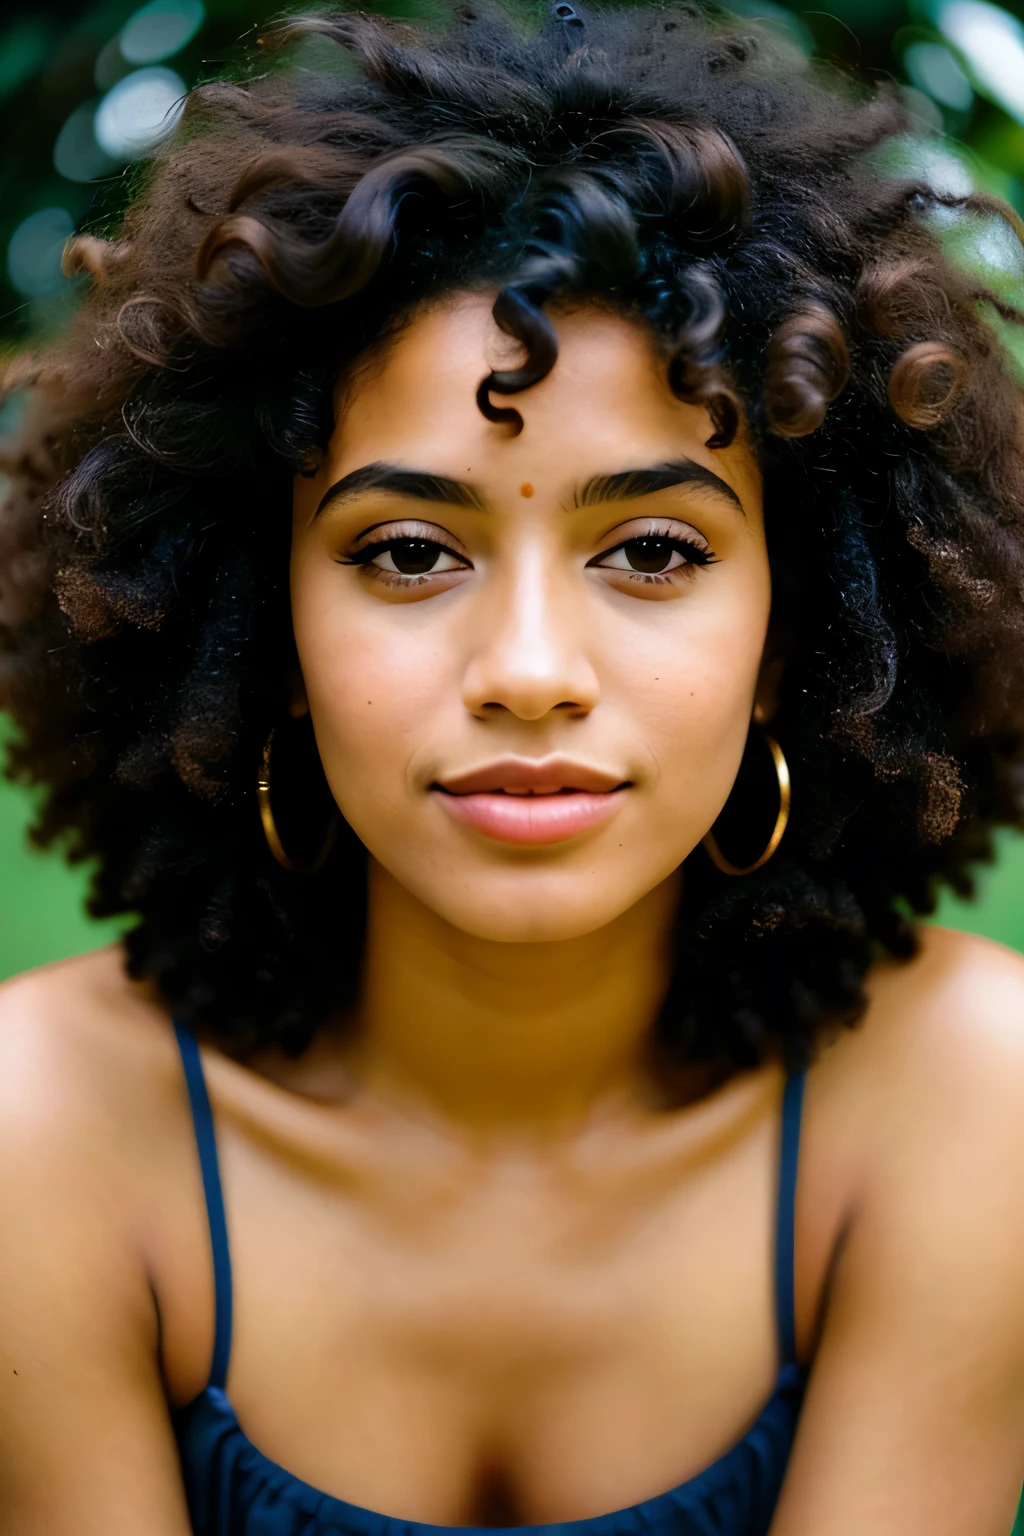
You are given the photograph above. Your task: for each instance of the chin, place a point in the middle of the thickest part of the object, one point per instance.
(528, 926)
(532, 911)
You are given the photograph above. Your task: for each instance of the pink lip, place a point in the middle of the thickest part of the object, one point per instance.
(531, 775)
(535, 819)
(531, 801)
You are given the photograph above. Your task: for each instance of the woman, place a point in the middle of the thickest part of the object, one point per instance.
(644, 453)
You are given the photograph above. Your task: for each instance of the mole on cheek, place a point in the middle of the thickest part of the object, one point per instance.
(526, 489)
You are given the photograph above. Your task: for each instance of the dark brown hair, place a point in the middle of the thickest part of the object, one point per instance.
(696, 173)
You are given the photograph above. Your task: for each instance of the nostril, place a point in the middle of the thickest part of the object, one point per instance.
(570, 706)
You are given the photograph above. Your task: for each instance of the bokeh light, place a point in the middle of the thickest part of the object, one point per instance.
(991, 42)
(34, 253)
(111, 65)
(138, 111)
(76, 154)
(160, 29)
(933, 68)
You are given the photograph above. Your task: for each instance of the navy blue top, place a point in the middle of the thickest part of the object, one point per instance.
(234, 1490)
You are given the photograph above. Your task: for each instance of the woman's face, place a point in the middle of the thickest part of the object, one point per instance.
(530, 660)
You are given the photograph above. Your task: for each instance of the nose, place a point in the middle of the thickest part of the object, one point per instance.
(532, 654)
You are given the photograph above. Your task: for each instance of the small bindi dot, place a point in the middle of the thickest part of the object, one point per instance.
(526, 489)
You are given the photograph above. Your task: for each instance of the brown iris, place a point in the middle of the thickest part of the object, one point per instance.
(414, 557)
(649, 556)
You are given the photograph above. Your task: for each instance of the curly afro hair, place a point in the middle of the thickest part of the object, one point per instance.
(696, 173)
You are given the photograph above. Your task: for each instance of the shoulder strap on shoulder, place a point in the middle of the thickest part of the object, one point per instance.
(202, 1119)
(785, 1224)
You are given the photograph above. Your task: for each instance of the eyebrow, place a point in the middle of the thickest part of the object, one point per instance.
(628, 484)
(414, 483)
(625, 485)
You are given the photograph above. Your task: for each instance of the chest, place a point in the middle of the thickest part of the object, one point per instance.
(542, 1338)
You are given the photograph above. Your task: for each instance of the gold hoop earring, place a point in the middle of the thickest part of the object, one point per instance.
(715, 853)
(270, 831)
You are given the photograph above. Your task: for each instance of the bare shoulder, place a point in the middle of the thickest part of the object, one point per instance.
(953, 976)
(919, 1109)
(947, 1023)
(90, 1109)
(83, 1051)
(98, 975)
(915, 1125)
(87, 1123)
(913, 1252)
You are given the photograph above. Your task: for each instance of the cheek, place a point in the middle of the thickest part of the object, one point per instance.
(373, 687)
(689, 687)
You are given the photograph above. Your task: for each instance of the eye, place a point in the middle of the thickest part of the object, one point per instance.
(655, 554)
(406, 557)
(413, 557)
(649, 556)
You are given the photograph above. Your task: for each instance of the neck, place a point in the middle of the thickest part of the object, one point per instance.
(532, 1037)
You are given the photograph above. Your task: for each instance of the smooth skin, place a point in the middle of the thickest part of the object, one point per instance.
(487, 1269)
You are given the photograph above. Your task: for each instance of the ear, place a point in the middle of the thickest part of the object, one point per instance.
(769, 679)
(298, 704)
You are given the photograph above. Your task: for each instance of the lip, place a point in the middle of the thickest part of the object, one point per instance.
(532, 802)
(532, 775)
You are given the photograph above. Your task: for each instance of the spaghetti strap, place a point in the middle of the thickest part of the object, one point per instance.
(785, 1224)
(202, 1119)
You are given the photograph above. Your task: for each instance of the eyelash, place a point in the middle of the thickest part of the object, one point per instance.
(695, 556)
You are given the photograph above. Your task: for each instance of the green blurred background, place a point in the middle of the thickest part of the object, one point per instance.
(86, 88)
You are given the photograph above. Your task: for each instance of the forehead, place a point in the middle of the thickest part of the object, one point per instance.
(606, 404)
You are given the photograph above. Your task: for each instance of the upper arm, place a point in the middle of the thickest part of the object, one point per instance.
(913, 1423)
(86, 1447)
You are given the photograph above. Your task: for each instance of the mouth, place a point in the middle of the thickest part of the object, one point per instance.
(532, 802)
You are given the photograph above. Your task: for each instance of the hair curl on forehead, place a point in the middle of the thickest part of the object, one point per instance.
(693, 172)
